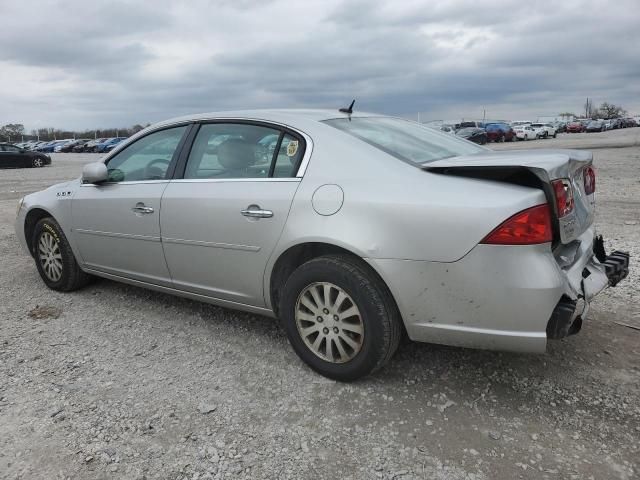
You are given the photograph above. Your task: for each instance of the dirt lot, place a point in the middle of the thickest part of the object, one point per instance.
(123, 383)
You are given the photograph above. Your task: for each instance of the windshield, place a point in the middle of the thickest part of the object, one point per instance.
(404, 139)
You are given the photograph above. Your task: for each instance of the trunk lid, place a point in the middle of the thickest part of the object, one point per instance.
(546, 166)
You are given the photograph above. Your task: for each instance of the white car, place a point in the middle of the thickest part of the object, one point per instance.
(520, 123)
(525, 132)
(544, 130)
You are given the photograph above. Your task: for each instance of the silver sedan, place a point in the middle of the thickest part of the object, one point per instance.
(353, 229)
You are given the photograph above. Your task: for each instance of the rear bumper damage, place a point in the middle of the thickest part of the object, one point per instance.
(512, 298)
(569, 313)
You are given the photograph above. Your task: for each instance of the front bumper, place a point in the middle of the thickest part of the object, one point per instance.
(496, 297)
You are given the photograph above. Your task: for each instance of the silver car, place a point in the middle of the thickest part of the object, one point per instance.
(353, 229)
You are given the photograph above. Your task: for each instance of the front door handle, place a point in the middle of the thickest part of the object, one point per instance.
(141, 208)
(254, 211)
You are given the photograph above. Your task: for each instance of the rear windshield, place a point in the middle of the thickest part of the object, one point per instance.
(404, 139)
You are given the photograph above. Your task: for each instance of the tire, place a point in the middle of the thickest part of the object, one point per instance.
(37, 162)
(555, 135)
(59, 270)
(377, 317)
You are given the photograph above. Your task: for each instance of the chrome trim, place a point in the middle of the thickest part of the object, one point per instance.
(258, 213)
(163, 126)
(117, 235)
(132, 182)
(223, 180)
(142, 209)
(202, 243)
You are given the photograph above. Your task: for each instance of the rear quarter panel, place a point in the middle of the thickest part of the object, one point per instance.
(395, 210)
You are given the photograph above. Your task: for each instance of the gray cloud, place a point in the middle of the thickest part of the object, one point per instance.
(77, 64)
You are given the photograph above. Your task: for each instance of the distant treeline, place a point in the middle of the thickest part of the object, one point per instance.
(15, 132)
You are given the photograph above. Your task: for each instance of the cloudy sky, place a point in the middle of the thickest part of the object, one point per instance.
(91, 64)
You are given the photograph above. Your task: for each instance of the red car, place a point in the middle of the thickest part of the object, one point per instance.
(500, 132)
(575, 127)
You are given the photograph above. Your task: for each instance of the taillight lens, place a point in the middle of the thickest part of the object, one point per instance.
(528, 227)
(564, 196)
(589, 180)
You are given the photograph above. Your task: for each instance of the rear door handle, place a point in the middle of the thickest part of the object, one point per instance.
(141, 208)
(254, 211)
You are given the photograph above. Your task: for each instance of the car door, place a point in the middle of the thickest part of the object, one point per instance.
(221, 221)
(10, 156)
(116, 224)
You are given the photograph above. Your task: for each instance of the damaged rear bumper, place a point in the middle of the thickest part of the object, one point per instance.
(602, 270)
(498, 297)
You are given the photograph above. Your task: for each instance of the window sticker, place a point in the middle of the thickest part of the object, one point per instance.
(292, 148)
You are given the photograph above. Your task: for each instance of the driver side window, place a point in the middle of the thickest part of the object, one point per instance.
(146, 159)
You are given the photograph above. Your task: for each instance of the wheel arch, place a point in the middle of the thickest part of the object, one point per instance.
(31, 219)
(301, 253)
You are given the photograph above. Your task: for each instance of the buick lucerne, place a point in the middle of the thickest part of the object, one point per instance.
(353, 229)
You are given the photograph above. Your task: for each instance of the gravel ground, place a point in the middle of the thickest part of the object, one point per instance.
(117, 382)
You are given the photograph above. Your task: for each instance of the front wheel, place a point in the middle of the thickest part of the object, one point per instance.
(54, 258)
(37, 162)
(339, 317)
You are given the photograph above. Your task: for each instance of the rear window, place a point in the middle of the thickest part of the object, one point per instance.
(404, 139)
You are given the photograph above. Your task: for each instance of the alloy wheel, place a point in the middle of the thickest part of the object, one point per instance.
(329, 322)
(50, 256)
(37, 162)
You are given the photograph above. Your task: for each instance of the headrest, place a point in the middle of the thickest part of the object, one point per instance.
(236, 154)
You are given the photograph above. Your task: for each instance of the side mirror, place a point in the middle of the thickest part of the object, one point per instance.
(95, 173)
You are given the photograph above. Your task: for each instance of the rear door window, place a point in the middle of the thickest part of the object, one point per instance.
(241, 150)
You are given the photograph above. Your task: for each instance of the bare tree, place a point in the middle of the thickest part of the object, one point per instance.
(609, 110)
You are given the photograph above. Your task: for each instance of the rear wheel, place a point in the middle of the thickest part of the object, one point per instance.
(339, 317)
(54, 258)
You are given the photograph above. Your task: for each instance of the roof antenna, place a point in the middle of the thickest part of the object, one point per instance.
(349, 110)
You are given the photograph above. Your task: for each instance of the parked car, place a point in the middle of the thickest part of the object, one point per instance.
(448, 128)
(575, 127)
(36, 145)
(595, 126)
(110, 146)
(544, 130)
(469, 125)
(525, 132)
(89, 146)
(560, 127)
(12, 156)
(71, 146)
(473, 134)
(418, 232)
(500, 132)
(51, 146)
(62, 144)
(102, 146)
(519, 123)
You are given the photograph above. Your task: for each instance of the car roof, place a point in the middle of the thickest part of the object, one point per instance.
(284, 116)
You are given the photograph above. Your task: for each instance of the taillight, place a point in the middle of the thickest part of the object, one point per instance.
(528, 227)
(589, 180)
(564, 196)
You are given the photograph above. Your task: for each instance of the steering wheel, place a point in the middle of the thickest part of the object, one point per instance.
(155, 172)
